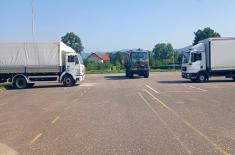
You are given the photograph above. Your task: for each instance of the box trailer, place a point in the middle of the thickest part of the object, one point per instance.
(210, 57)
(23, 64)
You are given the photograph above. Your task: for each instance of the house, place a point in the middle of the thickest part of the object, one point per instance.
(98, 57)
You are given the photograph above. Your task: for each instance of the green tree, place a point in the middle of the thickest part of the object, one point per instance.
(73, 41)
(204, 34)
(163, 53)
(178, 57)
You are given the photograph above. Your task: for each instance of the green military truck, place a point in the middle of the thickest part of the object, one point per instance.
(137, 62)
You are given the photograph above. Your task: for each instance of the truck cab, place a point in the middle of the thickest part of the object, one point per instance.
(194, 63)
(73, 67)
(137, 62)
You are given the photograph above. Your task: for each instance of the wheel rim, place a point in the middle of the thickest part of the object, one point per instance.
(202, 78)
(20, 83)
(68, 81)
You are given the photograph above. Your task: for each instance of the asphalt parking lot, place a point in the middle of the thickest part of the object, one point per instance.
(110, 114)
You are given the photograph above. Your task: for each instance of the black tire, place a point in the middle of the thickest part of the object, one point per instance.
(130, 74)
(68, 81)
(30, 85)
(146, 75)
(126, 73)
(20, 83)
(202, 78)
(233, 78)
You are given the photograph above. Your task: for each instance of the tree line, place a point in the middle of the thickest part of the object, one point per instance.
(163, 54)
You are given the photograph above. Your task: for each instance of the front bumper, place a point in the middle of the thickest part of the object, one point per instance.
(189, 75)
(80, 77)
(140, 71)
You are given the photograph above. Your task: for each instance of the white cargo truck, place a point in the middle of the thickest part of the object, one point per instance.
(210, 57)
(23, 64)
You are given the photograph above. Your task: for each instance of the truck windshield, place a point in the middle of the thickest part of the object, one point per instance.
(139, 56)
(185, 58)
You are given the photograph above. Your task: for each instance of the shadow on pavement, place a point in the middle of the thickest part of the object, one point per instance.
(42, 87)
(174, 82)
(121, 77)
(184, 81)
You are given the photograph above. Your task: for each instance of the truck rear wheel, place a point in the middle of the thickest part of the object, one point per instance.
(20, 83)
(202, 78)
(68, 81)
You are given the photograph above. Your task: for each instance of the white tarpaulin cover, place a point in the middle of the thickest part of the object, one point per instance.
(27, 54)
(32, 57)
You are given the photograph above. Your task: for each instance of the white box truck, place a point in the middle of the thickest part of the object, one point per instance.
(23, 64)
(210, 57)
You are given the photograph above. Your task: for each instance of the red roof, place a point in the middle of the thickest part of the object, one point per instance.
(104, 57)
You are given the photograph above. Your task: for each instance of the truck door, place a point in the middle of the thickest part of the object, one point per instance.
(197, 61)
(72, 64)
(81, 66)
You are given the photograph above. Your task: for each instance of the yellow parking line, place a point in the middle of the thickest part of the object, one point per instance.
(216, 146)
(55, 119)
(152, 89)
(36, 138)
(165, 124)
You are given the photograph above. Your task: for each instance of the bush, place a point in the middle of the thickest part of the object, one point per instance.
(102, 67)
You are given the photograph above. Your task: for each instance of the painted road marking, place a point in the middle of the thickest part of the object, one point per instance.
(192, 87)
(36, 138)
(165, 124)
(75, 100)
(152, 89)
(87, 84)
(6, 150)
(189, 125)
(55, 119)
(197, 88)
(182, 91)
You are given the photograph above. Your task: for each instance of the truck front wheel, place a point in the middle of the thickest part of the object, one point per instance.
(202, 78)
(130, 74)
(20, 83)
(126, 73)
(146, 75)
(68, 81)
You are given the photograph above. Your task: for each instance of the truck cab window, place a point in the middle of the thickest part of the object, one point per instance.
(71, 58)
(196, 57)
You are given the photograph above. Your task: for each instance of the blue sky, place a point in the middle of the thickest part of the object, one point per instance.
(105, 25)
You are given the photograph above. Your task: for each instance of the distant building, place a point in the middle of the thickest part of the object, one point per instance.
(98, 57)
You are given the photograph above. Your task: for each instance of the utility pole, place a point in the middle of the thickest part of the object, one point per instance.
(174, 59)
(33, 20)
